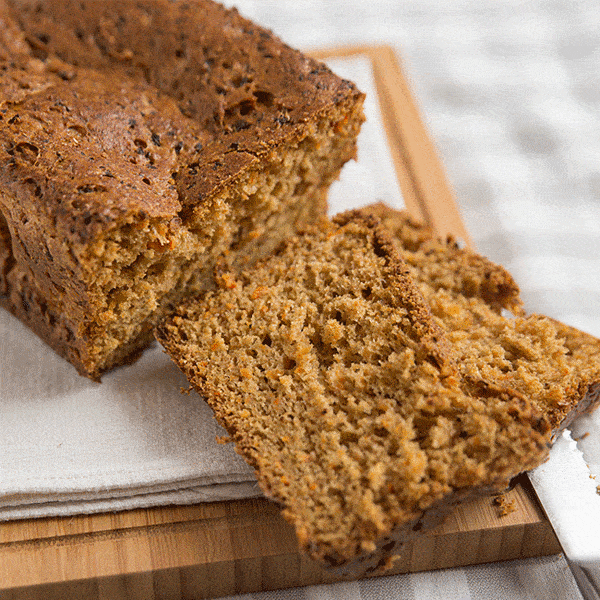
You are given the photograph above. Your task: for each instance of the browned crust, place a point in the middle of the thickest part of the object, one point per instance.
(299, 89)
(237, 123)
(587, 400)
(497, 286)
(429, 332)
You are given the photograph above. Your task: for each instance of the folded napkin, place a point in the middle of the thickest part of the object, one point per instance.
(71, 446)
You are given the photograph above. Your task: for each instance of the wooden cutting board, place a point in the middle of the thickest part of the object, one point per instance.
(223, 548)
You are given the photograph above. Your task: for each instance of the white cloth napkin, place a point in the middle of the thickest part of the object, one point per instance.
(70, 446)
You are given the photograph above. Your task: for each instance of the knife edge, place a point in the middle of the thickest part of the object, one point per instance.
(569, 496)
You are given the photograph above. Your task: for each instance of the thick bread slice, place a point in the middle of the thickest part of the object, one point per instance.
(335, 382)
(552, 364)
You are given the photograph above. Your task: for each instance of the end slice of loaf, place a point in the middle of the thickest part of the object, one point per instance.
(337, 384)
(554, 365)
(140, 140)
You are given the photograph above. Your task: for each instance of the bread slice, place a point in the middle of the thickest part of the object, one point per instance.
(554, 365)
(336, 383)
(140, 141)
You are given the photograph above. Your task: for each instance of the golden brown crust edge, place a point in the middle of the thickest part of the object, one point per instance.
(495, 286)
(431, 335)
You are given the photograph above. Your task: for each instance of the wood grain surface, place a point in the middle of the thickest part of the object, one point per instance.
(223, 548)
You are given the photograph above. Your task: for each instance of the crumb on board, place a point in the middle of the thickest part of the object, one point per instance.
(505, 505)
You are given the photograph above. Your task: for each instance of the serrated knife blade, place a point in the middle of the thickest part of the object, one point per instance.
(569, 496)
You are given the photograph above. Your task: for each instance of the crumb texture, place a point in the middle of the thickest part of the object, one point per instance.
(554, 365)
(338, 384)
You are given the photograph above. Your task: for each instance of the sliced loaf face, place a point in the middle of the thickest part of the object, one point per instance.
(554, 365)
(127, 171)
(335, 382)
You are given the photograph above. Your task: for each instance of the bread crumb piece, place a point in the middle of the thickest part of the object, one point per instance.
(505, 505)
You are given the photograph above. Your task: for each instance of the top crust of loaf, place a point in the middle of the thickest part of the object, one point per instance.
(216, 92)
(225, 72)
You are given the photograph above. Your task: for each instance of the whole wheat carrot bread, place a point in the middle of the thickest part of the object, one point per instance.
(139, 141)
(336, 382)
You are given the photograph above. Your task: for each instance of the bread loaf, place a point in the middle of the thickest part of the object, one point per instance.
(140, 143)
